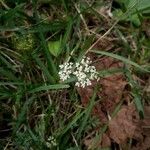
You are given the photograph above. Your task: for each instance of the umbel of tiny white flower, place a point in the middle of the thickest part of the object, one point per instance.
(65, 71)
(83, 71)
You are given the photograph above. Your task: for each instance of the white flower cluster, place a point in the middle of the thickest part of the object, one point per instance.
(65, 71)
(51, 142)
(83, 71)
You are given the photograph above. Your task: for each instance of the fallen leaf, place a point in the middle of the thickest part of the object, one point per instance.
(105, 142)
(112, 90)
(124, 124)
(144, 145)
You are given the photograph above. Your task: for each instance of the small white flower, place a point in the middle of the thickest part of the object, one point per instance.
(77, 84)
(77, 65)
(65, 71)
(83, 71)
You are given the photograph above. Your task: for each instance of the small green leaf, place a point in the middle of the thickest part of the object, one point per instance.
(55, 47)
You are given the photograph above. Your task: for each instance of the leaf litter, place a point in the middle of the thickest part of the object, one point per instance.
(126, 124)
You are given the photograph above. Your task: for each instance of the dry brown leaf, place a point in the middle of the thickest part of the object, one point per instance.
(145, 145)
(146, 27)
(87, 143)
(105, 142)
(112, 90)
(142, 135)
(85, 97)
(124, 124)
(147, 88)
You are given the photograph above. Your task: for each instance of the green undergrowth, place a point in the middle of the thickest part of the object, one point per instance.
(37, 110)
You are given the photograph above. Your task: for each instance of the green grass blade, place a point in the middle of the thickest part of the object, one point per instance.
(5, 94)
(22, 115)
(87, 113)
(43, 68)
(51, 65)
(78, 115)
(4, 61)
(11, 83)
(11, 13)
(50, 62)
(135, 91)
(7, 73)
(67, 33)
(49, 87)
(109, 72)
(123, 59)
